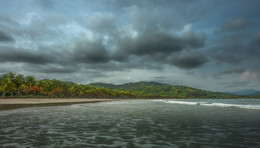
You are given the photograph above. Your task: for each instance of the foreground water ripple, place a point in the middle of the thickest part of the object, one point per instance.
(133, 123)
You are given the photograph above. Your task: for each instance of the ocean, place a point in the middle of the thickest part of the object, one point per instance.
(230, 123)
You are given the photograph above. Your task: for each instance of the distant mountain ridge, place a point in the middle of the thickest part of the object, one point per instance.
(255, 93)
(250, 92)
(127, 85)
(157, 89)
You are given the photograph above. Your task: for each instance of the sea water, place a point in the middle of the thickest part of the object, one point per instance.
(135, 123)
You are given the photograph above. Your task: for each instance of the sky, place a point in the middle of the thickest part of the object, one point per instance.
(207, 44)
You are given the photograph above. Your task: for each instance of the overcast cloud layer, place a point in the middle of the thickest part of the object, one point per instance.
(213, 45)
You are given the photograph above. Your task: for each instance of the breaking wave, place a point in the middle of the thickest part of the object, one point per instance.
(214, 104)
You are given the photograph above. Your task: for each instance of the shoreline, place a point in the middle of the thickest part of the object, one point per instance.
(15, 103)
(8, 104)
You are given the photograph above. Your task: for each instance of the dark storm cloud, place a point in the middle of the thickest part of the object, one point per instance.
(89, 52)
(127, 3)
(256, 41)
(150, 43)
(232, 70)
(43, 28)
(57, 70)
(157, 45)
(230, 48)
(51, 68)
(9, 54)
(154, 41)
(8, 24)
(4, 37)
(237, 49)
(235, 25)
(228, 58)
(102, 23)
(134, 63)
(239, 52)
(253, 52)
(234, 84)
(188, 61)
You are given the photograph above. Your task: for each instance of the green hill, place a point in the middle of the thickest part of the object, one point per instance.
(105, 85)
(255, 93)
(136, 86)
(17, 85)
(155, 89)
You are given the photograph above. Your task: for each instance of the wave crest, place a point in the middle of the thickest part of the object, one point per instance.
(244, 106)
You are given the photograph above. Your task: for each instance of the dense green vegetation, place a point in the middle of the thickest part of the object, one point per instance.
(17, 85)
(155, 89)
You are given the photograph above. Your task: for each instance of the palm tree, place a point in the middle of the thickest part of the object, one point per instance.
(11, 76)
(65, 88)
(4, 81)
(7, 83)
(72, 90)
(19, 83)
(29, 81)
(46, 86)
(41, 85)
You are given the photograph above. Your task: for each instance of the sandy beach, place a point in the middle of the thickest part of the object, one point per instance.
(6, 104)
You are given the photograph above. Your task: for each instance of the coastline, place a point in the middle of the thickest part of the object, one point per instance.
(7, 104)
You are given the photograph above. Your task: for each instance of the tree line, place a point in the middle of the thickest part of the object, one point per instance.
(20, 86)
(159, 90)
(17, 85)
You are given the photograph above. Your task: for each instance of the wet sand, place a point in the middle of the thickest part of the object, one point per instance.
(6, 104)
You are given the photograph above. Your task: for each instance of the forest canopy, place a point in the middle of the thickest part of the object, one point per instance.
(20, 86)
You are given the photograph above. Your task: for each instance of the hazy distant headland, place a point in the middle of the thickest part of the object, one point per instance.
(19, 86)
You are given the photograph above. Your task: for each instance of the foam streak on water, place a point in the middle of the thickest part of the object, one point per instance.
(214, 104)
(133, 123)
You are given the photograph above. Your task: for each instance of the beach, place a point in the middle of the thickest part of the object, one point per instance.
(6, 104)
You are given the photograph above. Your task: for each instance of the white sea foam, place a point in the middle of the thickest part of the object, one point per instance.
(184, 102)
(159, 100)
(234, 105)
(245, 106)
